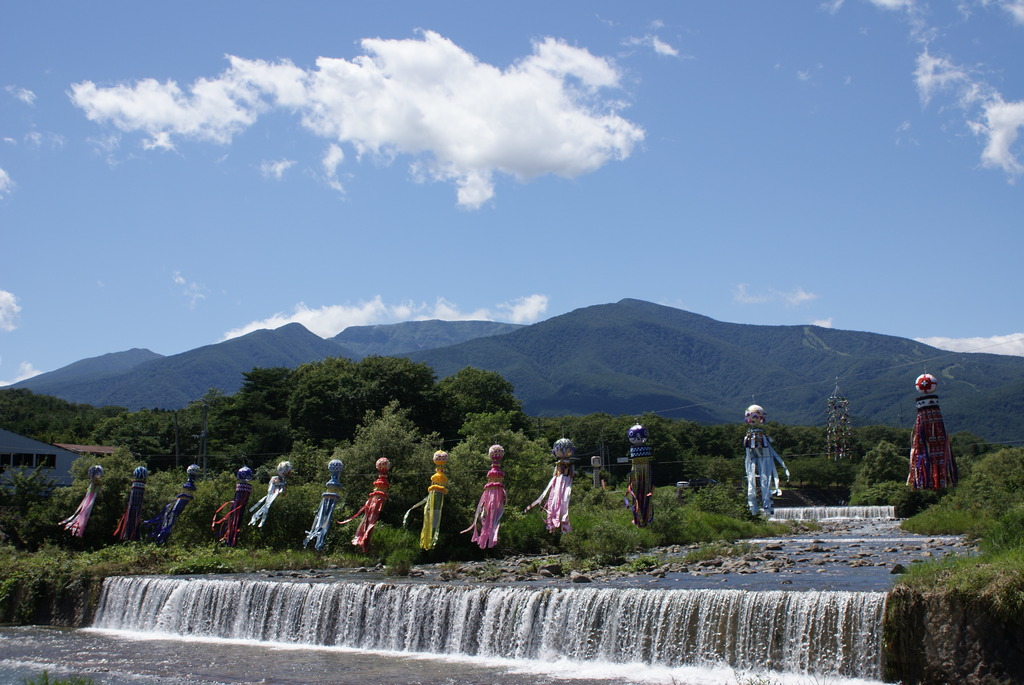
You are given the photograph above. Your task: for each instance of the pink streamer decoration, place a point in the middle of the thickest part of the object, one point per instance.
(560, 489)
(491, 506)
(75, 524)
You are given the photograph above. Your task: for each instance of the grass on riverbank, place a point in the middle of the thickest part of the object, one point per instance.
(603, 535)
(987, 506)
(995, 578)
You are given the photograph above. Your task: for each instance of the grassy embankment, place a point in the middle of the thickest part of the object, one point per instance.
(707, 524)
(987, 506)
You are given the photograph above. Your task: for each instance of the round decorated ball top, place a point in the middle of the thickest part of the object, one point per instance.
(755, 414)
(926, 383)
(440, 457)
(244, 474)
(284, 468)
(95, 471)
(335, 466)
(637, 434)
(383, 464)
(563, 448)
(193, 470)
(496, 452)
(140, 473)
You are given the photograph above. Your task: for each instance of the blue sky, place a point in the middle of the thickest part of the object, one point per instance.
(175, 175)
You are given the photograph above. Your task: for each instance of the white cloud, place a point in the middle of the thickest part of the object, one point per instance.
(212, 110)
(797, 297)
(8, 311)
(938, 73)
(25, 371)
(1001, 123)
(893, 4)
(52, 141)
(460, 120)
(1015, 8)
(654, 42)
(526, 309)
(192, 291)
(995, 120)
(6, 183)
(329, 320)
(824, 323)
(332, 159)
(1012, 344)
(23, 94)
(276, 169)
(792, 298)
(741, 295)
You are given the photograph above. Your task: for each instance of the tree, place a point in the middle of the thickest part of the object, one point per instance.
(256, 417)
(331, 397)
(322, 406)
(475, 391)
(23, 521)
(884, 462)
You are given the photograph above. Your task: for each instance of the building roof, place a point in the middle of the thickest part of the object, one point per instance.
(87, 449)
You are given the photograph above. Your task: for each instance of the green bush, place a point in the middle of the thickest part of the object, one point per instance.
(886, 493)
(605, 537)
(1007, 532)
(727, 500)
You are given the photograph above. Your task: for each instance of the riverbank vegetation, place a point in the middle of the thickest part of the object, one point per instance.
(987, 505)
(381, 407)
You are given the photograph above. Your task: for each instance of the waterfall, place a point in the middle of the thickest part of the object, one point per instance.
(823, 513)
(827, 633)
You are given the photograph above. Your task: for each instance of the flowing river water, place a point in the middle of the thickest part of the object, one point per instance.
(806, 609)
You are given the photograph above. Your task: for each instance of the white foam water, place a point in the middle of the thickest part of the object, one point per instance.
(832, 513)
(807, 634)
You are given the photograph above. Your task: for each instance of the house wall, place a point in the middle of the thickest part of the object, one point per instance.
(19, 451)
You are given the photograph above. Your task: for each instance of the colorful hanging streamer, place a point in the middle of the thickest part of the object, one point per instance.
(231, 523)
(370, 511)
(275, 489)
(491, 506)
(162, 524)
(932, 466)
(837, 425)
(559, 488)
(760, 463)
(640, 491)
(432, 503)
(325, 514)
(75, 524)
(130, 525)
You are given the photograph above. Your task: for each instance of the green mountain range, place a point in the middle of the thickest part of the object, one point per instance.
(412, 336)
(629, 357)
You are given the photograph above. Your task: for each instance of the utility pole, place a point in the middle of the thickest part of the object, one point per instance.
(177, 442)
(202, 440)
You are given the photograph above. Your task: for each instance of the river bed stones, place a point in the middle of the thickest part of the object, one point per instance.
(827, 558)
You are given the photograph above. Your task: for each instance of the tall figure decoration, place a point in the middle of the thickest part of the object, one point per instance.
(130, 525)
(491, 506)
(163, 523)
(639, 492)
(275, 489)
(760, 463)
(75, 524)
(432, 503)
(837, 425)
(231, 523)
(559, 487)
(328, 501)
(932, 466)
(370, 511)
